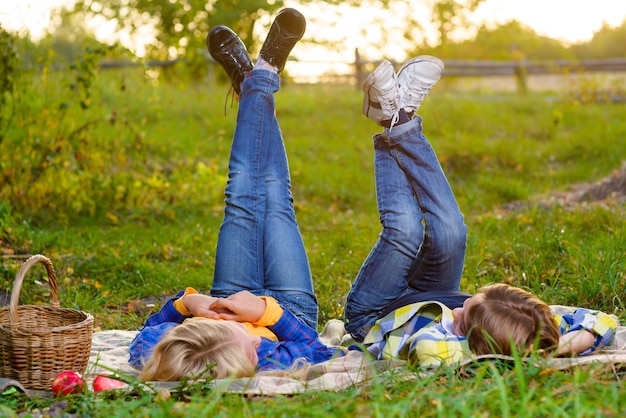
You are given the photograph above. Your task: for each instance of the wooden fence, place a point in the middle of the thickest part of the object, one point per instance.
(518, 69)
(454, 68)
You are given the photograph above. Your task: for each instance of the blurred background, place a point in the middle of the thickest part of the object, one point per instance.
(513, 40)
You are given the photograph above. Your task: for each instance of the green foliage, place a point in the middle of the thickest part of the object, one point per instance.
(606, 43)
(9, 72)
(67, 42)
(508, 41)
(181, 25)
(9, 62)
(64, 154)
(14, 231)
(45, 151)
(449, 15)
(596, 88)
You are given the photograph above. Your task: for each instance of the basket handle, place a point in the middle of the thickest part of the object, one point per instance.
(19, 278)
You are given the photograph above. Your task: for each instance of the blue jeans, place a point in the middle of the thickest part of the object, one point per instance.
(259, 246)
(422, 244)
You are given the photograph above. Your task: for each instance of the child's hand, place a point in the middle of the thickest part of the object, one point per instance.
(241, 307)
(575, 342)
(200, 305)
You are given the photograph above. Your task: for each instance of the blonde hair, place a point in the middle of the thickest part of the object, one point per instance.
(505, 319)
(198, 348)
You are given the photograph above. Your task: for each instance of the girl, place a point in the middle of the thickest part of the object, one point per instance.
(262, 312)
(202, 336)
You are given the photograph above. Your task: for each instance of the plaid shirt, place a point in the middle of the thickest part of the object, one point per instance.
(296, 340)
(601, 325)
(422, 334)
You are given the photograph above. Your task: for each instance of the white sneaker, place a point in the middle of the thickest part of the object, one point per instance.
(415, 79)
(381, 102)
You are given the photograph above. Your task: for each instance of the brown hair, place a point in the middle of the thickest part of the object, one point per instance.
(198, 348)
(506, 318)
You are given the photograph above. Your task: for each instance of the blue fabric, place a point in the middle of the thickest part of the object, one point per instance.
(601, 325)
(260, 248)
(423, 239)
(153, 331)
(296, 340)
(451, 299)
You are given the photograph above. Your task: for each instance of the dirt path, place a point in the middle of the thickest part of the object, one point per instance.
(610, 190)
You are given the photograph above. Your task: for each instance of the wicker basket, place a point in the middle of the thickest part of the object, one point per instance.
(39, 342)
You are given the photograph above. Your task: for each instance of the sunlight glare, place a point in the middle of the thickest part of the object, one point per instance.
(335, 32)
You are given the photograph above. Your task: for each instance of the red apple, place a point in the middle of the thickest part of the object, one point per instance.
(103, 382)
(67, 382)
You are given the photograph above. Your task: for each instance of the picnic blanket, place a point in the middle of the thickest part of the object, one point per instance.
(110, 352)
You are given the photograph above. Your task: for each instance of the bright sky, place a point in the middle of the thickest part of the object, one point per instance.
(567, 20)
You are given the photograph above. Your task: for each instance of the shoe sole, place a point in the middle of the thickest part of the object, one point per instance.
(296, 16)
(369, 82)
(295, 31)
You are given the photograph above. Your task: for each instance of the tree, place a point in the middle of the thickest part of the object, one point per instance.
(513, 40)
(9, 72)
(180, 26)
(448, 15)
(608, 42)
(508, 41)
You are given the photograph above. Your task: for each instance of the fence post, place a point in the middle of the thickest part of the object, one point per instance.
(358, 67)
(520, 69)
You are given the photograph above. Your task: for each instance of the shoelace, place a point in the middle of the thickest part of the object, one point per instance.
(416, 90)
(231, 93)
(392, 105)
(394, 120)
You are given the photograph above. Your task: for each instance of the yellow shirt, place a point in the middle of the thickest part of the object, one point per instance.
(271, 315)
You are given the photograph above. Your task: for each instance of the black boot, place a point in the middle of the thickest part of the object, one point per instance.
(287, 29)
(226, 48)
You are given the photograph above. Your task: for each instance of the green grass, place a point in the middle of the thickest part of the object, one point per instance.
(489, 389)
(135, 214)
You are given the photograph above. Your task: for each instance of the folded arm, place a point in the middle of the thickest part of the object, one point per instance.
(585, 331)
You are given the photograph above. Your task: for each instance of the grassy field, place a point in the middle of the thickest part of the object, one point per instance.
(125, 196)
